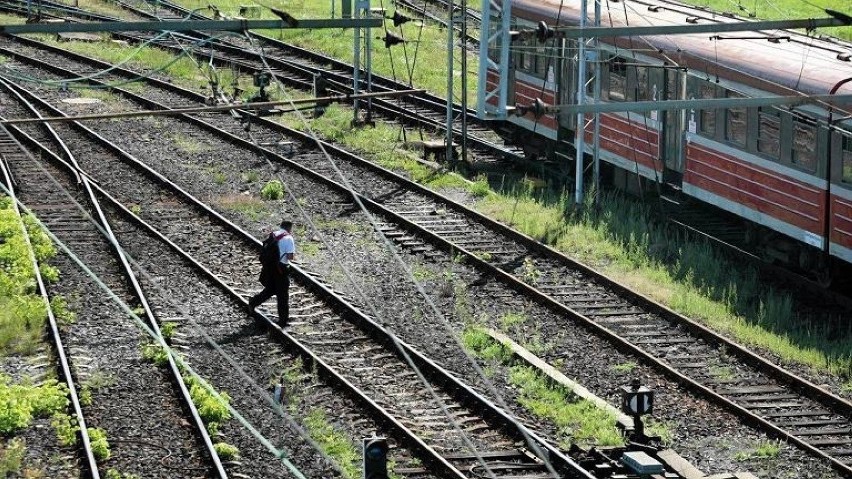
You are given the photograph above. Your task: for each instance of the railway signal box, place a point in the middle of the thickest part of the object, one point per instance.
(375, 458)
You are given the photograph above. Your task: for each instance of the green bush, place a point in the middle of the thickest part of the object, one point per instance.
(212, 409)
(22, 311)
(155, 353)
(11, 458)
(66, 428)
(100, 445)
(60, 310)
(273, 190)
(168, 330)
(115, 474)
(19, 403)
(226, 451)
(480, 187)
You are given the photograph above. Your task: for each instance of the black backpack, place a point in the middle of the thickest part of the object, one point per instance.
(270, 256)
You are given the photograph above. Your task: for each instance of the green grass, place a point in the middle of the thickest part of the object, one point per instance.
(334, 443)
(512, 319)
(765, 449)
(620, 239)
(188, 144)
(578, 420)
(381, 144)
(331, 440)
(430, 71)
(182, 70)
(22, 311)
(104, 7)
(272, 190)
(782, 9)
(624, 368)
(251, 207)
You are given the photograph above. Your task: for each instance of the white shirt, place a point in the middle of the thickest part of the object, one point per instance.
(286, 246)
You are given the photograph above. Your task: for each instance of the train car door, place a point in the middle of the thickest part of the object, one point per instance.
(672, 126)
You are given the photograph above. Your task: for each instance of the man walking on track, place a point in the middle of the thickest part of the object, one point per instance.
(278, 250)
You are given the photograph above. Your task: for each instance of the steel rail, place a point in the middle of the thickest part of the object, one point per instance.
(342, 82)
(409, 6)
(189, 25)
(798, 383)
(788, 378)
(64, 366)
(134, 284)
(426, 100)
(453, 386)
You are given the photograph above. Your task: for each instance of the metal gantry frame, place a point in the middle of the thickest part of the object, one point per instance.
(500, 39)
(361, 13)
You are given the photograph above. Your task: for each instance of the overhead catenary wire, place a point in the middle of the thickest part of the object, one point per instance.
(264, 395)
(370, 301)
(175, 354)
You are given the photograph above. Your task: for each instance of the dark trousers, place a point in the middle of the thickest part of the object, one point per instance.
(279, 286)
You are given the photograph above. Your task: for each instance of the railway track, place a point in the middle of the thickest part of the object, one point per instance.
(12, 151)
(437, 11)
(759, 391)
(136, 438)
(339, 344)
(297, 68)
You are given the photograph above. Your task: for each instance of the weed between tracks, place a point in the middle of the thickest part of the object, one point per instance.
(577, 420)
(331, 440)
(616, 237)
(430, 70)
(212, 406)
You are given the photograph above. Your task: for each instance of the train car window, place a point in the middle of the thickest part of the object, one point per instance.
(804, 145)
(707, 118)
(736, 122)
(617, 85)
(638, 81)
(846, 158)
(541, 62)
(527, 62)
(768, 132)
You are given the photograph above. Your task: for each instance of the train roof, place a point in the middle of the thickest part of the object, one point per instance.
(805, 63)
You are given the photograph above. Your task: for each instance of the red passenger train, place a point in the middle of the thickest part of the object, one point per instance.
(787, 171)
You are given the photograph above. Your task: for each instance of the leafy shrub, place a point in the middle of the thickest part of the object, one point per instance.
(100, 445)
(11, 458)
(226, 451)
(480, 187)
(66, 428)
(20, 403)
(210, 408)
(273, 190)
(114, 474)
(155, 353)
(61, 311)
(168, 330)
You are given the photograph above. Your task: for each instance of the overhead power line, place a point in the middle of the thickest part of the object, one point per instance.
(206, 109)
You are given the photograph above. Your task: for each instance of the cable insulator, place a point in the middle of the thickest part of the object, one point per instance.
(543, 32)
(391, 40)
(539, 108)
(399, 19)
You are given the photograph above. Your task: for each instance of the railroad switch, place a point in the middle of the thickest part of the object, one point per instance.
(438, 149)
